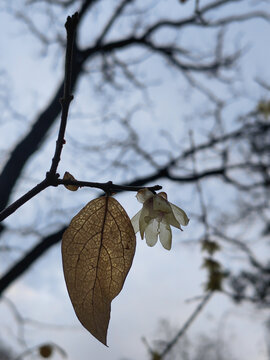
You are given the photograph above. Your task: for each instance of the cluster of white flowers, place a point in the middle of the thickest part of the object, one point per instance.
(156, 216)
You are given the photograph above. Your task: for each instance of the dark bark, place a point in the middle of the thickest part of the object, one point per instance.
(32, 141)
(27, 260)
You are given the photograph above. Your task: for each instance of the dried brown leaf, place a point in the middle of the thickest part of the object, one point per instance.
(45, 351)
(97, 251)
(68, 176)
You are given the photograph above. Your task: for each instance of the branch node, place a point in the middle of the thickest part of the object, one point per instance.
(52, 178)
(108, 188)
(72, 22)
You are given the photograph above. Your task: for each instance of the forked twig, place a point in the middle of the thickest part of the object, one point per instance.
(52, 178)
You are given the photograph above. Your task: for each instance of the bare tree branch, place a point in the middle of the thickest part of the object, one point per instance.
(27, 260)
(186, 325)
(118, 11)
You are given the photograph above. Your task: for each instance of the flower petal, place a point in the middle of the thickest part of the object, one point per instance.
(142, 223)
(163, 194)
(151, 233)
(180, 215)
(143, 195)
(135, 221)
(165, 236)
(160, 204)
(170, 219)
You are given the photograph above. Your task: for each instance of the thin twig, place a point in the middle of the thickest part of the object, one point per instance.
(70, 25)
(112, 20)
(187, 324)
(107, 187)
(23, 199)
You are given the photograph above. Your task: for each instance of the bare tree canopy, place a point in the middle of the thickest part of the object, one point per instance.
(171, 94)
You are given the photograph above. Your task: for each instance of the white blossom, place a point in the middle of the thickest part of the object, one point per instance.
(155, 218)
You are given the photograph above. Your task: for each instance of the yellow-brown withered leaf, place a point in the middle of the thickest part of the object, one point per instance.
(97, 251)
(68, 176)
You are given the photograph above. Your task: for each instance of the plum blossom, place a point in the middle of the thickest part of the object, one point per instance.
(155, 218)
